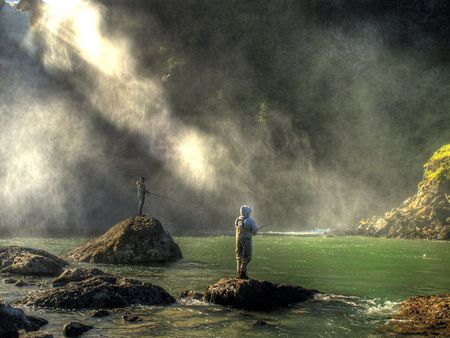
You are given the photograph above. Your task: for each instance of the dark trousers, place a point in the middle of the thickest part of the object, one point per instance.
(141, 201)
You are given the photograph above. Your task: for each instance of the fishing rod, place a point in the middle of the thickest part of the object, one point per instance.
(263, 226)
(186, 204)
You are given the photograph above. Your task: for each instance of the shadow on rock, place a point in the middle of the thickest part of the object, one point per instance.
(94, 289)
(136, 240)
(251, 294)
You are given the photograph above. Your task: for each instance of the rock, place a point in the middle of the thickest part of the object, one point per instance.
(97, 290)
(192, 295)
(423, 315)
(425, 215)
(136, 240)
(261, 323)
(101, 313)
(10, 280)
(29, 262)
(38, 335)
(129, 317)
(12, 320)
(78, 275)
(256, 295)
(37, 322)
(74, 329)
(21, 283)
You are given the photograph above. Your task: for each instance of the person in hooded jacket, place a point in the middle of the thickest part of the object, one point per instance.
(245, 229)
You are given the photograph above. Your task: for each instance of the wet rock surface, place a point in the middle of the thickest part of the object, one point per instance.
(75, 329)
(252, 294)
(79, 275)
(94, 289)
(425, 215)
(192, 295)
(29, 262)
(131, 318)
(12, 320)
(136, 240)
(101, 314)
(423, 315)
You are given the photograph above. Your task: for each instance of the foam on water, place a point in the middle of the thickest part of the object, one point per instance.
(371, 307)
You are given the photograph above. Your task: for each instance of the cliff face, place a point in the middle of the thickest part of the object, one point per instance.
(425, 215)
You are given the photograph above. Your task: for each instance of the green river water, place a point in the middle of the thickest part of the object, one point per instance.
(362, 280)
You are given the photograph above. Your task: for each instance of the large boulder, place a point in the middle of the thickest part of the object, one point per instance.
(12, 320)
(29, 262)
(425, 215)
(423, 315)
(136, 240)
(94, 289)
(253, 295)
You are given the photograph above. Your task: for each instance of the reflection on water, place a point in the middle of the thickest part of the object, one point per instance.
(362, 280)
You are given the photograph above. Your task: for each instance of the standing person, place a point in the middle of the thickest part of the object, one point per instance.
(245, 229)
(141, 191)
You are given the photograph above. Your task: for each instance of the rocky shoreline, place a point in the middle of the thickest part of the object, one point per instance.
(422, 315)
(425, 215)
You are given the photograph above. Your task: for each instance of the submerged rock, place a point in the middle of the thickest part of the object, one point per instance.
(140, 239)
(94, 289)
(192, 295)
(101, 313)
(29, 262)
(20, 283)
(423, 315)
(75, 329)
(131, 318)
(12, 320)
(252, 294)
(425, 215)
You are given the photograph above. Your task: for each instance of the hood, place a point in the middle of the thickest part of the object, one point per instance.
(246, 211)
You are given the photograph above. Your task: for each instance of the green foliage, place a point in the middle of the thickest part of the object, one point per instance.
(438, 167)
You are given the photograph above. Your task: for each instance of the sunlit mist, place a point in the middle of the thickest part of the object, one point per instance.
(122, 95)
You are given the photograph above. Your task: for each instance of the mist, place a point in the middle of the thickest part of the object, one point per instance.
(313, 120)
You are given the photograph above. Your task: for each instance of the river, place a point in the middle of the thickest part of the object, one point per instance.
(362, 280)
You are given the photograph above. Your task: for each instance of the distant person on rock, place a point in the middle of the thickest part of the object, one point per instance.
(245, 229)
(141, 192)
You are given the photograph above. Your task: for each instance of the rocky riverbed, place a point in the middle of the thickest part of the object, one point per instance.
(356, 298)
